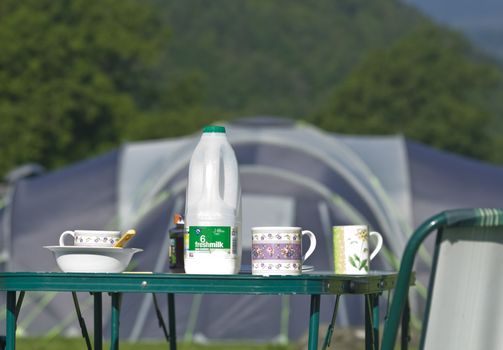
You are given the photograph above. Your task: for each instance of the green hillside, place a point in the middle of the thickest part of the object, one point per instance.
(277, 57)
(366, 67)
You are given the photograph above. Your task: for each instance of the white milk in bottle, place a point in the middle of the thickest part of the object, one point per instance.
(213, 207)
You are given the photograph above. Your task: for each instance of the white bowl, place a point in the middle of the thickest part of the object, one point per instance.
(92, 259)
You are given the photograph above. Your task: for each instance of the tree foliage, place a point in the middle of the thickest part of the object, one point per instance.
(426, 86)
(77, 76)
(277, 57)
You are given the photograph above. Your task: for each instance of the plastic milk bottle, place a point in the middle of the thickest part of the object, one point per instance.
(212, 238)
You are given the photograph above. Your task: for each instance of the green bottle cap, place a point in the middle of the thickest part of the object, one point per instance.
(214, 128)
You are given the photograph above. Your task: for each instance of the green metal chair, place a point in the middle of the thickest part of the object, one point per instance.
(464, 305)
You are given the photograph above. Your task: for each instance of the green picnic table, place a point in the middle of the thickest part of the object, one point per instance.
(315, 284)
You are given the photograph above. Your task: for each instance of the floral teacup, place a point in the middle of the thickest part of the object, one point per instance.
(91, 238)
(278, 250)
(351, 249)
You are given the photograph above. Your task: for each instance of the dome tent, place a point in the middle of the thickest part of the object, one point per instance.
(291, 174)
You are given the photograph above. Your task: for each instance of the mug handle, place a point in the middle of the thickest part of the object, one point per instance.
(379, 244)
(63, 235)
(312, 245)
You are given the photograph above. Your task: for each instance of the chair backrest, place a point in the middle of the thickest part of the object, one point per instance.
(464, 307)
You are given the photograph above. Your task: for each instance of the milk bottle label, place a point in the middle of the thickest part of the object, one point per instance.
(212, 238)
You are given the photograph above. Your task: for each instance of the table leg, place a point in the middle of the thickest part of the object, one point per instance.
(19, 302)
(331, 326)
(314, 322)
(372, 321)
(98, 326)
(114, 338)
(81, 320)
(404, 341)
(11, 321)
(172, 321)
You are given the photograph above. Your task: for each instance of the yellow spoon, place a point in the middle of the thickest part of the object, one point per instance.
(124, 239)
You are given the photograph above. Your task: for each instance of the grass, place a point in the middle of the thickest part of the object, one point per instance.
(344, 339)
(79, 343)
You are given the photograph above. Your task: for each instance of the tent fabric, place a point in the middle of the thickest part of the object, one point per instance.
(441, 180)
(78, 196)
(291, 174)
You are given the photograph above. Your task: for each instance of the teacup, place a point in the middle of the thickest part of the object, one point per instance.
(278, 250)
(91, 238)
(351, 249)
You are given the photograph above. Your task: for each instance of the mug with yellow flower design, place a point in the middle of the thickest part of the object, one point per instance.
(351, 249)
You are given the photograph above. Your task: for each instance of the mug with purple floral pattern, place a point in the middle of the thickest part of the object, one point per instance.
(91, 238)
(277, 250)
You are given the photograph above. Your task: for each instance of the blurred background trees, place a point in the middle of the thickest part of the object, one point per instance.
(77, 76)
(425, 86)
(277, 57)
(80, 77)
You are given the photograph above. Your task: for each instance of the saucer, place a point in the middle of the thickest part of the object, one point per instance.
(248, 269)
(86, 249)
(307, 268)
